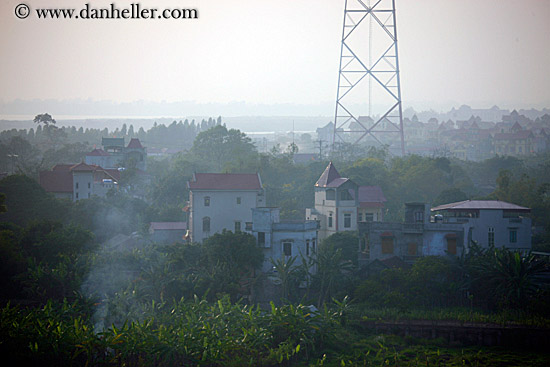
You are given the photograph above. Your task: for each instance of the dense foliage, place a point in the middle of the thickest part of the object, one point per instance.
(83, 298)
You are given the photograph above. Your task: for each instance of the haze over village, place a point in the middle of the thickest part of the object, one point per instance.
(356, 182)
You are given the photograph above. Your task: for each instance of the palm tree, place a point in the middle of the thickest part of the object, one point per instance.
(509, 277)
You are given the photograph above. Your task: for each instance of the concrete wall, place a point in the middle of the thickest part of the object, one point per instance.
(298, 234)
(428, 239)
(337, 207)
(83, 183)
(167, 236)
(223, 211)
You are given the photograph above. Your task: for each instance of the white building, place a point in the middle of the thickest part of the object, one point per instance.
(79, 181)
(219, 201)
(340, 203)
(489, 222)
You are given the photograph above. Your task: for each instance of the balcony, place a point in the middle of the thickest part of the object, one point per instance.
(413, 227)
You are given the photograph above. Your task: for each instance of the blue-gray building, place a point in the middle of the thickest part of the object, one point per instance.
(283, 239)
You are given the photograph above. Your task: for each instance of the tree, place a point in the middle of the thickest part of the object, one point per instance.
(45, 119)
(217, 147)
(451, 195)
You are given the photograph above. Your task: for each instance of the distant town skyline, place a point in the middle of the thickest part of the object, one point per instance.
(274, 57)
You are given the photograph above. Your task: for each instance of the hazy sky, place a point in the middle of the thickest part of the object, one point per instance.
(476, 52)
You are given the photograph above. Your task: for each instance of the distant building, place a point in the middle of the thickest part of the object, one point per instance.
(219, 201)
(415, 237)
(490, 222)
(114, 154)
(283, 239)
(79, 181)
(514, 143)
(168, 232)
(336, 203)
(446, 229)
(340, 203)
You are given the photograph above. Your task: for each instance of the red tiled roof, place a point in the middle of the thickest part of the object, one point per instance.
(84, 167)
(371, 194)
(98, 153)
(225, 181)
(135, 144)
(170, 226)
(330, 174)
(480, 204)
(57, 181)
(114, 173)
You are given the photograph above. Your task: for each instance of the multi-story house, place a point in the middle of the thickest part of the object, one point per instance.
(446, 229)
(417, 236)
(219, 201)
(115, 154)
(79, 181)
(340, 203)
(489, 222)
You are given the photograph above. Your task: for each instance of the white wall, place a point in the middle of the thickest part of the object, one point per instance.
(223, 211)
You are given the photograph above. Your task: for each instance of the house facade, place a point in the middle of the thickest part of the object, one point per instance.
(340, 203)
(489, 222)
(446, 229)
(115, 154)
(79, 181)
(167, 232)
(283, 239)
(336, 203)
(219, 201)
(417, 236)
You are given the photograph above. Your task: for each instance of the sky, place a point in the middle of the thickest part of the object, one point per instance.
(269, 52)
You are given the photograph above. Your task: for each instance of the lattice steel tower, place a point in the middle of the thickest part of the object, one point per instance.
(368, 99)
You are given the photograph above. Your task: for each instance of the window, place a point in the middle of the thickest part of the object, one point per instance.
(330, 220)
(207, 201)
(369, 217)
(411, 249)
(237, 227)
(345, 195)
(331, 194)
(76, 185)
(387, 245)
(287, 248)
(313, 246)
(360, 217)
(206, 224)
(513, 235)
(307, 247)
(347, 220)
(419, 217)
(89, 185)
(238, 201)
(491, 236)
(248, 226)
(77, 195)
(261, 238)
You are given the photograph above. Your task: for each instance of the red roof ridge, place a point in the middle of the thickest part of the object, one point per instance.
(134, 144)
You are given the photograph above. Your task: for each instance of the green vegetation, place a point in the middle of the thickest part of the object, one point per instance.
(69, 297)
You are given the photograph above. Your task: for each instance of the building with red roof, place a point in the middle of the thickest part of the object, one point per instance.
(115, 154)
(78, 181)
